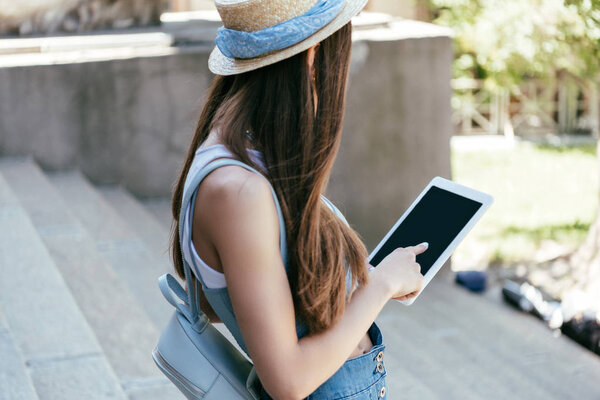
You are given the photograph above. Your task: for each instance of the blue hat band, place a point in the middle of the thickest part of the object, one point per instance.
(238, 44)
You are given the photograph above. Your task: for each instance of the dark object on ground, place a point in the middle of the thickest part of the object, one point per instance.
(585, 330)
(472, 280)
(530, 299)
(513, 294)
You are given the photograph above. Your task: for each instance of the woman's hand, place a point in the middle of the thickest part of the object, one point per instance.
(400, 273)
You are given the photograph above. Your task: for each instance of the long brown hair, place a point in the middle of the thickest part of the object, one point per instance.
(275, 107)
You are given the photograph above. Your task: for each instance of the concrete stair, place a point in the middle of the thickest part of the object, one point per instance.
(86, 248)
(117, 243)
(62, 357)
(80, 309)
(15, 381)
(161, 209)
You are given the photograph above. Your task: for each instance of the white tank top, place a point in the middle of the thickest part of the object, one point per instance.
(213, 278)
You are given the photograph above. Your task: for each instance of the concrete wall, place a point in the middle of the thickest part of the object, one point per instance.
(130, 119)
(396, 132)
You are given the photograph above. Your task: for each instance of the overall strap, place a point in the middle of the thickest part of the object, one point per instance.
(189, 197)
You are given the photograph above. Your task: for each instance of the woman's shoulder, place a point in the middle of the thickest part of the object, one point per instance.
(232, 183)
(232, 194)
(236, 215)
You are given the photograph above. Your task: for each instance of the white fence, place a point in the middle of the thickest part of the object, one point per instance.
(562, 105)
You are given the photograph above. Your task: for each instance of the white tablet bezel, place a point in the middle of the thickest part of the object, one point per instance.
(486, 201)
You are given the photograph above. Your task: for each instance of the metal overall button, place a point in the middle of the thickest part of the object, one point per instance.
(380, 367)
(380, 356)
(382, 392)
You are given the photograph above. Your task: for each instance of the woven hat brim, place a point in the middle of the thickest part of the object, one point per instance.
(220, 64)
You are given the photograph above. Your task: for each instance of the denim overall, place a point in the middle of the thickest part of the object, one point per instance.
(359, 378)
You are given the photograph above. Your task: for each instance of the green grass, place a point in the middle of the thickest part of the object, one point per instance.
(545, 199)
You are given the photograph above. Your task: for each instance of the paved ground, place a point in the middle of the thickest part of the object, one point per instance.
(453, 344)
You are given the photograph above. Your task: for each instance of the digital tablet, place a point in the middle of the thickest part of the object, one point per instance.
(441, 215)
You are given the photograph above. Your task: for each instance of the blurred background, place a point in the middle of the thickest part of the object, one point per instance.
(98, 105)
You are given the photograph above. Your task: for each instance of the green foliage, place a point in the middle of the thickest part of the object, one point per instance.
(505, 41)
(542, 194)
(588, 149)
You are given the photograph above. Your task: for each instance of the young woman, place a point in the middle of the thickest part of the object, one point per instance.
(278, 263)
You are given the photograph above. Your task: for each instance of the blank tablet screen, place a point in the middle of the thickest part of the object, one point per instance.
(437, 219)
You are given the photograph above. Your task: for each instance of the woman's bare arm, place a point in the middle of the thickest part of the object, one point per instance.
(244, 228)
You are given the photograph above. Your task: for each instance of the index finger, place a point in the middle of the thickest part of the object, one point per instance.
(418, 249)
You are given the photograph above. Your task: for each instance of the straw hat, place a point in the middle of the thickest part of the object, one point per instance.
(256, 15)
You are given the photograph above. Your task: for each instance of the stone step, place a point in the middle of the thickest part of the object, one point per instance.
(142, 222)
(124, 250)
(15, 382)
(161, 208)
(124, 330)
(64, 358)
